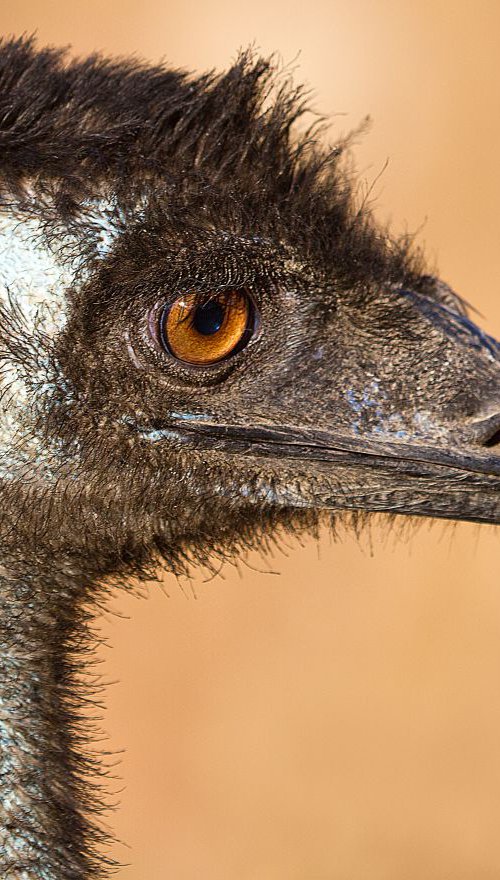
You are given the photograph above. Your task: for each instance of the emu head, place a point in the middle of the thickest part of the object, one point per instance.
(204, 334)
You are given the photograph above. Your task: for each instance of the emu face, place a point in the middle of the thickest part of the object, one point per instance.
(352, 378)
(378, 396)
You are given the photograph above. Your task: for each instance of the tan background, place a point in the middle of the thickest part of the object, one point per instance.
(341, 720)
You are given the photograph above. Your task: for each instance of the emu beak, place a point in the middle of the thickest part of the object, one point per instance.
(328, 470)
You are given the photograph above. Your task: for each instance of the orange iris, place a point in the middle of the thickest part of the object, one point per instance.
(206, 332)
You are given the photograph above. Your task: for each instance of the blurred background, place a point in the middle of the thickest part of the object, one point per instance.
(332, 712)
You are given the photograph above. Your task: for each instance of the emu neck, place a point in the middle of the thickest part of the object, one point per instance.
(45, 832)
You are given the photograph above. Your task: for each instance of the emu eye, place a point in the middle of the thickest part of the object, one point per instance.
(208, 332)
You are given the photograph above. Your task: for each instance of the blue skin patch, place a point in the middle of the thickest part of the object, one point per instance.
(190, 417)
(155, 435)
(369, 399)
(354, 403)
(361, 402)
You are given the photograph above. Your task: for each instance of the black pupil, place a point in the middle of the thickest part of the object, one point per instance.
(209, 318)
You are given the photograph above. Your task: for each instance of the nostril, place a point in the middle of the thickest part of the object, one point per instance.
(494, 440)
(486, 432)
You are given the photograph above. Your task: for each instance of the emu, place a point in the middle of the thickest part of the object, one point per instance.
(204, 338)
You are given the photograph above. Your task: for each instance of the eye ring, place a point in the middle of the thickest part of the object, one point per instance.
(202, 332)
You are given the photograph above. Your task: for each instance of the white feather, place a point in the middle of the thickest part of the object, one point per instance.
(34, 277)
